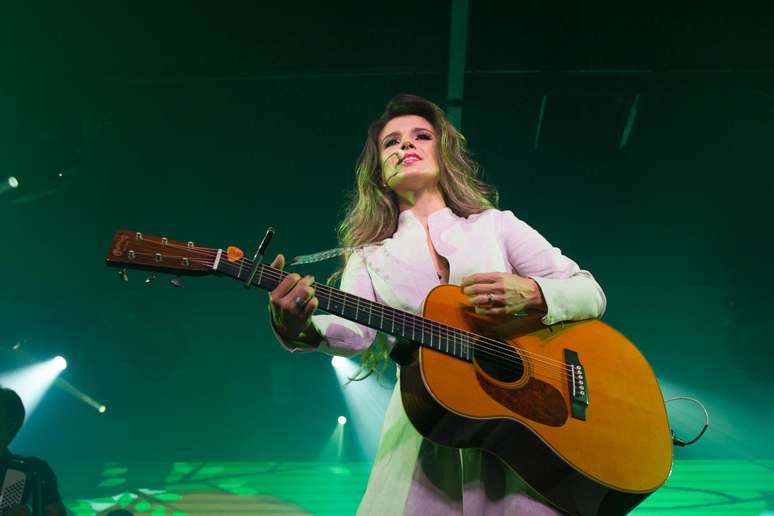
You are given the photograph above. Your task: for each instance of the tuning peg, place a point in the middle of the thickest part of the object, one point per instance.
(123, 275)
(150, 278)
(178, 281)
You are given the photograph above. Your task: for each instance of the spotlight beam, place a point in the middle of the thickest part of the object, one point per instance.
(78, 394)
(58, 364)
(366, 402)
(32, 382)
(540, 121)
(629, 122)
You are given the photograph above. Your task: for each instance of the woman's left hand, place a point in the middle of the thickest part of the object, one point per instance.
(495, 293)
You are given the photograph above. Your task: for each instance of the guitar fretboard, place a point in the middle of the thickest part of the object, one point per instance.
(399, 323)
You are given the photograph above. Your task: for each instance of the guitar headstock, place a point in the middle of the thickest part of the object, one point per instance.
(132, 249)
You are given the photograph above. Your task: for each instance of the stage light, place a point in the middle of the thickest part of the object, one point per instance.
(334, 446)
(366, 401)
(60, 363)
(9, 185)
(32, 382)
(338, 362)
(88, 400)
(344, 367)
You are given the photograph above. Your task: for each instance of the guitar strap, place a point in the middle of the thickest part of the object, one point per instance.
(403, 351)
(328, 254)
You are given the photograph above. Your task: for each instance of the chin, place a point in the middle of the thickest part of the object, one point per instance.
(414, 181)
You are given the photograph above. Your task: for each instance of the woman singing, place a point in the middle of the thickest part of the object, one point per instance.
(421, 216)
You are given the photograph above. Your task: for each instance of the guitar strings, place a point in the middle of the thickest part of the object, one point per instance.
(483, 344)
(277, 274)
(537, 365)
(401, 318)
(492, 344)
(492, 347)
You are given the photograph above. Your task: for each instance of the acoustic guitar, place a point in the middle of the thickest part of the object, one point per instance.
(574, 408)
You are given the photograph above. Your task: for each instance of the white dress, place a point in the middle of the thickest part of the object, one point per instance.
(411, 475)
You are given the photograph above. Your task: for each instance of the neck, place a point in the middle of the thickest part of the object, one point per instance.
(422, 202)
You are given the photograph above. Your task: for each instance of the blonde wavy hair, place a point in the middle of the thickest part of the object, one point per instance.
(372, 212)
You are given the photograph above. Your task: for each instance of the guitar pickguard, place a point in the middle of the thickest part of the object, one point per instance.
(535, 400)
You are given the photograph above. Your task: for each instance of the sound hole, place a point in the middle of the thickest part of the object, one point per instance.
(499, 360)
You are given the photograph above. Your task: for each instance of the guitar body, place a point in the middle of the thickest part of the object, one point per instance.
(573, 408)
(604, 459)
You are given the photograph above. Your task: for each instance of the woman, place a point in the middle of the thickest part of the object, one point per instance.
(420, 216)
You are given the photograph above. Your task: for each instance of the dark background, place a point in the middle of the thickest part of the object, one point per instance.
(210, 123)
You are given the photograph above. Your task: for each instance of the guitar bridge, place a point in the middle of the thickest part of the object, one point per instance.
(576, 383)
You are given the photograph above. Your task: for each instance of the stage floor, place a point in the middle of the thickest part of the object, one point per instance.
(696, 487)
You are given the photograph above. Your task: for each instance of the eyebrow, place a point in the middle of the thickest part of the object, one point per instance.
(413, 131)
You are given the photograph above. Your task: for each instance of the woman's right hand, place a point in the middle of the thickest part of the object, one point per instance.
(292, 302)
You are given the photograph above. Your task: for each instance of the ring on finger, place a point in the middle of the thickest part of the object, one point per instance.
(490, 298)
(300, 302)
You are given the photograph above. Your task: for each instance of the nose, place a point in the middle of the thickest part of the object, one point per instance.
(407, 145)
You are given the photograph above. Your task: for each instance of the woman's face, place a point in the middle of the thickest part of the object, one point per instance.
(408, 152)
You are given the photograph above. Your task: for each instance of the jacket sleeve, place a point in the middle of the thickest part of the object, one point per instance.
(570, 293)
(341, 336)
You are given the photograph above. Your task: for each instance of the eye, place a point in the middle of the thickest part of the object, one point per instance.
(424, 136)
(390, 142)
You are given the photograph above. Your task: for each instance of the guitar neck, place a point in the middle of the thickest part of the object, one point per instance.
(134, 250)
(401, 324)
